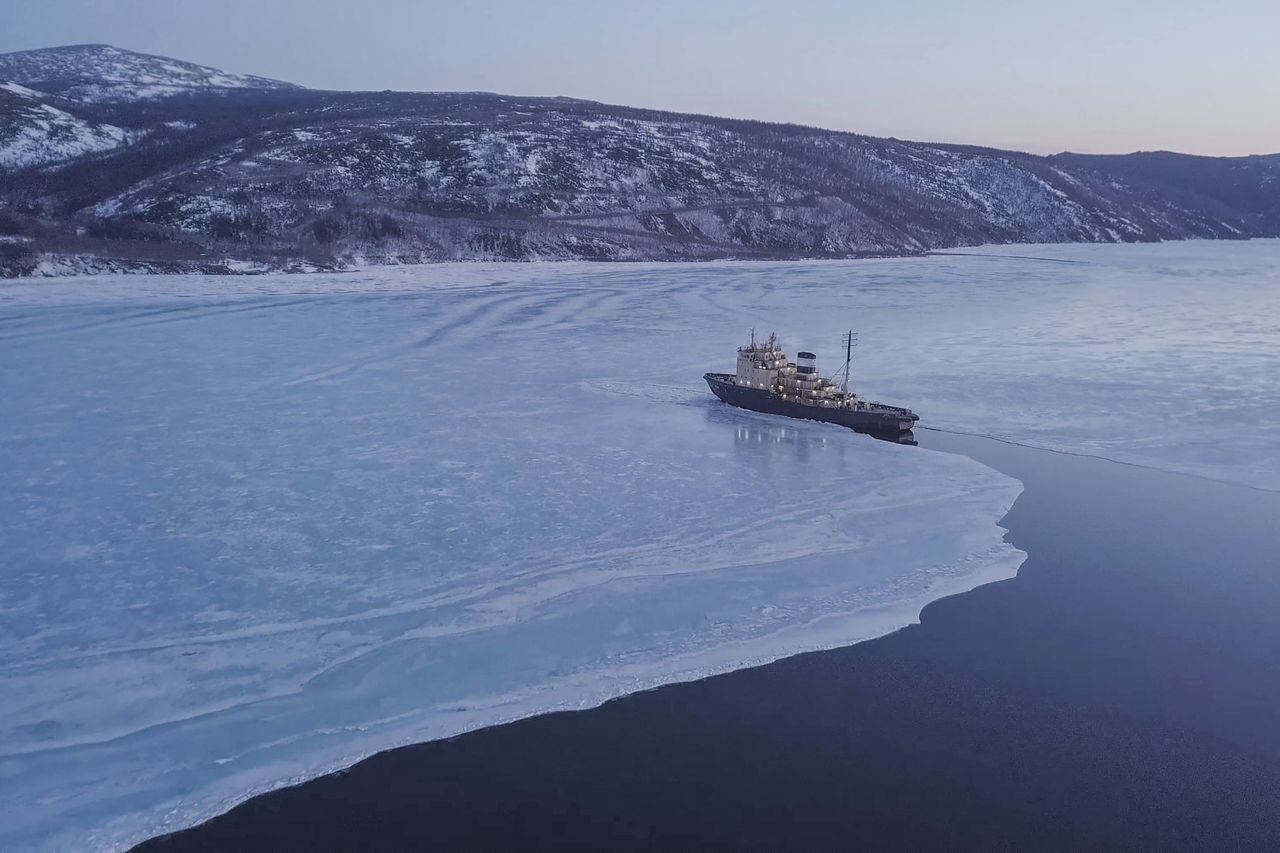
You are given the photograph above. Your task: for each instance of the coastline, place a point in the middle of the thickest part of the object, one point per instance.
(71, 265)
(1118, 693)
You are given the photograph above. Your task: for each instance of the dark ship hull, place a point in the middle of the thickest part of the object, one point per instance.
(876, 419)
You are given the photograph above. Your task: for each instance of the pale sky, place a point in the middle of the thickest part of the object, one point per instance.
(1088, 76)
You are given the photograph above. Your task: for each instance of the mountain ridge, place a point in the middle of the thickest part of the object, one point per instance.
(211, 177)
(102, 72)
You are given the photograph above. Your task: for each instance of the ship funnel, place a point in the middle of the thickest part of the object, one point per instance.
(806, 362)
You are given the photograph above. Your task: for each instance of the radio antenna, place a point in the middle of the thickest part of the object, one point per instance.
(850, 341)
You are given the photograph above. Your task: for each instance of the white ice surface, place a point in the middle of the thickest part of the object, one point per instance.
(1163, 355)
(256, 528)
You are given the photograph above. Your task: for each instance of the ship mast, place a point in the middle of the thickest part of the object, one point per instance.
(850, 341)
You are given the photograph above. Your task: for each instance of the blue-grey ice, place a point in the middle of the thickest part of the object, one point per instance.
(256, 528)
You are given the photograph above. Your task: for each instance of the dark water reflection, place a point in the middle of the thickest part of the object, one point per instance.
(1155, 598)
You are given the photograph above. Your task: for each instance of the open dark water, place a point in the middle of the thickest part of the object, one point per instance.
(1123, 692)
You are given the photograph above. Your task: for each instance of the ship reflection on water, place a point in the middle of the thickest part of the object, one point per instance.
(774, 439)
(802, 441)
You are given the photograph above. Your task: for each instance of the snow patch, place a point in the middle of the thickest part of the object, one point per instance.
(39, 133)
(22, 90)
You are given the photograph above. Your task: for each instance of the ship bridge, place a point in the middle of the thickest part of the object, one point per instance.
(765, 366)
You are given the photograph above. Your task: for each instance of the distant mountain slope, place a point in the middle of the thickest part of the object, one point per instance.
(1240, 193)
(287, 178)
(98, 73)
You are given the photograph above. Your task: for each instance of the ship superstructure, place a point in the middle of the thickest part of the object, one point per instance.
(766, 381)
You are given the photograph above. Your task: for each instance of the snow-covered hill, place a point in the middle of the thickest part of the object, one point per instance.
(34, 132)
(97, 73)
(293, 178)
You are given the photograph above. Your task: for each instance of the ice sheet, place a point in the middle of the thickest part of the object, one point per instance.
(1160, 355)
(258, 527)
